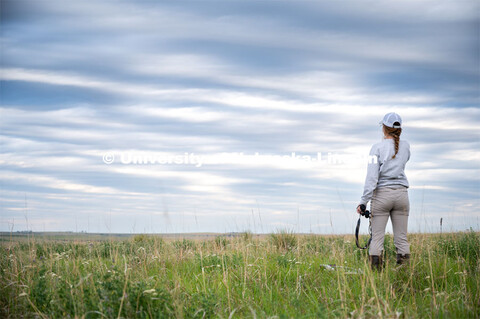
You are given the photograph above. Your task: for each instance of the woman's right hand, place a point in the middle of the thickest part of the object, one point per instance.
(359, 211)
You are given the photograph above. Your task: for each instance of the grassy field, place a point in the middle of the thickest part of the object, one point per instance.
(281, 275)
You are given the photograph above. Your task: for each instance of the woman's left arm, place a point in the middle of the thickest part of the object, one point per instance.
(373, 170)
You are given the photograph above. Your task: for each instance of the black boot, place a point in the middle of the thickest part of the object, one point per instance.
(403, 259)
(375, 262)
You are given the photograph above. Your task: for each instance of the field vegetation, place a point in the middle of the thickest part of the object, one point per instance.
(282, 275)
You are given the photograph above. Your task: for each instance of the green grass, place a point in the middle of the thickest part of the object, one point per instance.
(281, 276)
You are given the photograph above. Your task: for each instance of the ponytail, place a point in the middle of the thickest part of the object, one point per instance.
(395, 133)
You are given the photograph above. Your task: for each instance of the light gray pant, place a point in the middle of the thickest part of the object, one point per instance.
(390, 202)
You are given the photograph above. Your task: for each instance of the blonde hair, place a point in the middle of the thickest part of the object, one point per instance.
(395, 133)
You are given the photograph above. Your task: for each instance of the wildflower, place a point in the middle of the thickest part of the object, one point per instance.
(149, 291)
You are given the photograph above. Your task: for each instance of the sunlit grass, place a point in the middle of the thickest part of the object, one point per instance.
(283, 275)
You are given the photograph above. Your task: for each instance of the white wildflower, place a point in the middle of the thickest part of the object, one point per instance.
(149, 291)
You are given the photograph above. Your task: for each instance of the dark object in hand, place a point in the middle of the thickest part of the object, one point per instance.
(364, 211)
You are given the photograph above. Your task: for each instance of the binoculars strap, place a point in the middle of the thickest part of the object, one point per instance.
(357, 229)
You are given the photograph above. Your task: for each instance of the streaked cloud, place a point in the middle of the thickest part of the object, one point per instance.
(81, 79)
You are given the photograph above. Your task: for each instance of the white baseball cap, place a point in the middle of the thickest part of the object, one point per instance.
(392, 120)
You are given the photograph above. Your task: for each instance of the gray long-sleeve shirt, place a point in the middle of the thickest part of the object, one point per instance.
(386, 171)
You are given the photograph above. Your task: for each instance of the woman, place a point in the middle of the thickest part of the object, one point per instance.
(386, 186)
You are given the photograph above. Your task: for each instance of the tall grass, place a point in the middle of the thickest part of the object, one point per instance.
(283, 275)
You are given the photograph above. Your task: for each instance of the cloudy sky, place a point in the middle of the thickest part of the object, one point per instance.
(215, 96)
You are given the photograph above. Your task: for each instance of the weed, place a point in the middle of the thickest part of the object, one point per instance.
(284, 239)
(184, 244)
(281, 275)
(221, 242)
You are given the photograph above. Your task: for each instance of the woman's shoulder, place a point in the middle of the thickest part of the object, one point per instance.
(385, 143)
(377, 145)
(404, 142)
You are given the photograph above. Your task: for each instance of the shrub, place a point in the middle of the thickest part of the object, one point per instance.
(221, 242)
(184, 244)
(201, 305)
(247, 236)
(150, 303)
(465, 245)
(284, 239)
(140, 238)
